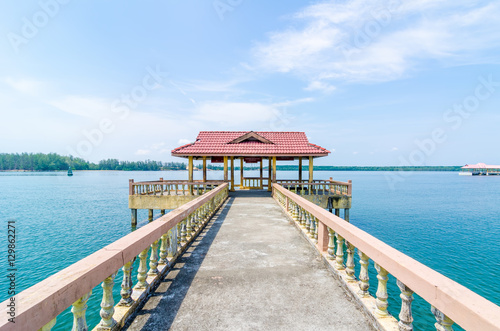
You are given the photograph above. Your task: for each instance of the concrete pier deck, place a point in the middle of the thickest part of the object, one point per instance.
(250, 269)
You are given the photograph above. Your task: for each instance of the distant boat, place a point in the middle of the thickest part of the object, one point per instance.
(70, 172)
(480, 169)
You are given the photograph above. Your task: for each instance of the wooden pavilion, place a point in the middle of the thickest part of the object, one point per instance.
(250, 147)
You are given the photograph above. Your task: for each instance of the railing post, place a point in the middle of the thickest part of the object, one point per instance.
(339, 259)
(331, 244)
(126, 291)
(49, 326)
(349, 265)
(444, 323)
(364, 279)
(382, 295)
(79, 309)
(349, 187)
(107, 304)
(405, 316)
(153, 260)
(130, 187)
(322, 237)
(142, 272)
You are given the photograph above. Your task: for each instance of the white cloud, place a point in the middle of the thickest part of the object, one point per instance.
(320, 86)
(232, 114)
(183, 142)
(367, 41)
(90, 107)
(26, 86)
(143, 152)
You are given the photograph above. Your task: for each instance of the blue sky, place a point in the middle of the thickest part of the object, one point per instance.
(376, 82)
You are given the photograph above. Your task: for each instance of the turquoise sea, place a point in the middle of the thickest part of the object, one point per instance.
(449, 222)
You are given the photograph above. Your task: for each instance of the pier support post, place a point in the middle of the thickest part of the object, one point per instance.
(150, 216)
(346, 215)
(162, 211)
(134, 217)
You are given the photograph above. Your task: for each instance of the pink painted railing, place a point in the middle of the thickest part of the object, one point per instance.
(172, 187)
(318, 186)
(162, 241)
(335, 238)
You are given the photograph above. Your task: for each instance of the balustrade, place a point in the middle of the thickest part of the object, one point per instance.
(473, 311)
(162, 252)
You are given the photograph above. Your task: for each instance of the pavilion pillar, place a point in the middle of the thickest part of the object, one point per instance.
(274, 169)
(204, 169)
(232, 173)
(225, 169)
(311, 169)
(241, 173)
(261, 173)
(190, 169)
(190, 175)
(269, 180)
(300, 169)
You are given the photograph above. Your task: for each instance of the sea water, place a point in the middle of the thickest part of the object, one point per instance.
(448, 222)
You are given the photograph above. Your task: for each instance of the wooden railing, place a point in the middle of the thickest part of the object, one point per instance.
(337, 241)
(322, 187)
(172, 187)
(162, 240)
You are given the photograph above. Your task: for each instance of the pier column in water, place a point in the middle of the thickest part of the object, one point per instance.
(134, 217)
(346, 214)
(150, 217)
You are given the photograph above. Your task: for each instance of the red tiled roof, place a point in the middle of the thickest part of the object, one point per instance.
(217, 143)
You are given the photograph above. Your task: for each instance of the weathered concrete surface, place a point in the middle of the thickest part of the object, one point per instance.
(159, 201)
(250, 270)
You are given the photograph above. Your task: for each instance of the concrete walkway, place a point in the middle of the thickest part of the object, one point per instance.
(250, 269)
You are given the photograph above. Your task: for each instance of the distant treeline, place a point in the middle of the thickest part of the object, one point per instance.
(370, 168)
(54, 162)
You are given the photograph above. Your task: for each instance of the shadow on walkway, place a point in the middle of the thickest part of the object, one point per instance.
(164, 303)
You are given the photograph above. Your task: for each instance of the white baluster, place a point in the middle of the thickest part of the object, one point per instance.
(107, 304)
(349, 265)
(364, 284)
(382, 295)
(142, 271)
(126, 291)
(49, 326)
(153, 259)
(339, 259)
(405, 315)
(444, 323)
(331, 244)
(163, 249)
(79, 309)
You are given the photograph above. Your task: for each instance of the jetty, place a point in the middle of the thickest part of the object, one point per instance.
(264, 253)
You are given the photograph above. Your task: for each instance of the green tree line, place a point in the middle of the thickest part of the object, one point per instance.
(54, 162)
